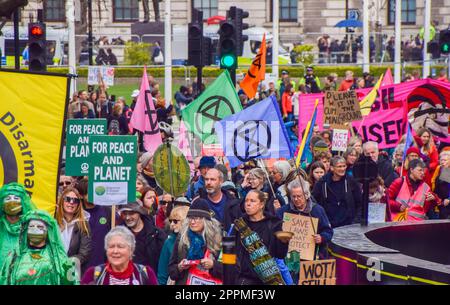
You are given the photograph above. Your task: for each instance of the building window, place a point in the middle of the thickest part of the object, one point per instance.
(126, 10)
(55, 10)
(209, 7)
(408, 12)
(288, 10)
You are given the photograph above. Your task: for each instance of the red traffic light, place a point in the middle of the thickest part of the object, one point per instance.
(36, 30)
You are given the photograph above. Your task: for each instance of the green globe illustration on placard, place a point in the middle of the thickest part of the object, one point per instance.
(100, 190)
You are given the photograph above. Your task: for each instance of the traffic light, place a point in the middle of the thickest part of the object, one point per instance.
(239, 15)
(195, 43)
(444, 41)
(207, 52)
(7, 7)
(227, 45)
(37, 49)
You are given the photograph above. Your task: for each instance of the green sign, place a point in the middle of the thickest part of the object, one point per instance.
(112, 169)
(77, 149)
(171, 169)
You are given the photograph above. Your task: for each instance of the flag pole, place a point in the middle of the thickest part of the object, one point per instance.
(113, 216)
(305, 136)
(263, 165)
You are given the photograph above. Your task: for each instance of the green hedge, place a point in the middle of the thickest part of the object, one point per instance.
(320, 71)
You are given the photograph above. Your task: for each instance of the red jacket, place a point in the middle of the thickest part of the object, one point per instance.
(286, 103)
(394, 189)
(404, 173)
(433, 155)
(345, 85)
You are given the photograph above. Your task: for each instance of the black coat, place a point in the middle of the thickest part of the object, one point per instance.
(149, 243)
(80, 245)
(386, 171)
(265, 229)
(342, 200)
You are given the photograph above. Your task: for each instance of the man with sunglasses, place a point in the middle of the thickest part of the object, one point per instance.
(149, 238)
(64, 182)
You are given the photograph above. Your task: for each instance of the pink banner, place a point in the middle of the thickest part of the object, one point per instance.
(393, 97)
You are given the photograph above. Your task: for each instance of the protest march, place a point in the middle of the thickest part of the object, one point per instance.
(139, 192)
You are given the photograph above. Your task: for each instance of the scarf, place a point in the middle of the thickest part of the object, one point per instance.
(197, 244)
(121, 275)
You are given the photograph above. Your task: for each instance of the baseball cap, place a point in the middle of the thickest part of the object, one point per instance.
(284, 72)
(135, 93)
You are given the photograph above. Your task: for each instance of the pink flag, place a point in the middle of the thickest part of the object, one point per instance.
(387, 79)
(144, 116)
(183, 142)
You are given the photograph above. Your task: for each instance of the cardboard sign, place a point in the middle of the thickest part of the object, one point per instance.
(340, 139)
(106, 72)
(302, 227)
(377, 212)
(331, 113)
(112, 169)
(348, 106)
(320, 272)
(78, 132)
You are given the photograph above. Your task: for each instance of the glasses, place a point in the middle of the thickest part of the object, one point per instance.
(164, 202)
(65, 183)
(298, 197)
(195, 219)
(72, 200)
(175, 221)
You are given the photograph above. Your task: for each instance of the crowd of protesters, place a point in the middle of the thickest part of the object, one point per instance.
(159, 239)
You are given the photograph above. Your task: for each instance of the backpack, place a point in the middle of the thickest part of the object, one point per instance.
(100, 273)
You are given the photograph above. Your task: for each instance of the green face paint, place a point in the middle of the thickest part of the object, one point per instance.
(37, 232)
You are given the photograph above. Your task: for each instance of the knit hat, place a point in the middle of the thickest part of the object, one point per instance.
(207, 162)
(320, 146)
(199, 208)
(413, 149)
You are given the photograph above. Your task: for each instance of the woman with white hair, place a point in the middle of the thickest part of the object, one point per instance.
(279, 173)
(119, 268)
(197, 246)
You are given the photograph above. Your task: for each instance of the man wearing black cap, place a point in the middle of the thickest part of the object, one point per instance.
(311, 82)
(149, 239)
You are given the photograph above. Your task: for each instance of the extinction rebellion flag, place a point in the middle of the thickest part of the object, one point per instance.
(219, 100)
(256, 132)
(32, 116)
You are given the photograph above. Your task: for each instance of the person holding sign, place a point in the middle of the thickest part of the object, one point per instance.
(339, 194)
(302, 203)
(259, 232)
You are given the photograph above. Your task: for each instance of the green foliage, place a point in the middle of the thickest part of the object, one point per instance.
(137, 54)
(303, 54)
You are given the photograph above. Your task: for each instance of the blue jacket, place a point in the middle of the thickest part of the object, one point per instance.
(193, 188)
(293, 138)
(166, 253)
(314, 210)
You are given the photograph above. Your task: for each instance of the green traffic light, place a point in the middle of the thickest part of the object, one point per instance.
(228, 61)
(445, 48)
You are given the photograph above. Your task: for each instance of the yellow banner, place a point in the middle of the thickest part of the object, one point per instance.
(32, 113)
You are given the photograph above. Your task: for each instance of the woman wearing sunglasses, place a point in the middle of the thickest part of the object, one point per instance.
(74, 227)
(176, 218)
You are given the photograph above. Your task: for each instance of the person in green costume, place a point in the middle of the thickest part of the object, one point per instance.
(40, 258)
(14, 203)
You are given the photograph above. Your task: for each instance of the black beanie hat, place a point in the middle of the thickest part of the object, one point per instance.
(199, 208)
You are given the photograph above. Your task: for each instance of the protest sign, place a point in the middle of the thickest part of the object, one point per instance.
(302, 227)
(321, 272)
(78, 132)
(214, 150)
(340, 137)
(112, 169)
(348, 105)
(331, 113)
(106, 72)
(377, 212)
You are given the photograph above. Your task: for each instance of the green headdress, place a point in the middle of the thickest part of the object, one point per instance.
(62, 264)
(18, 190)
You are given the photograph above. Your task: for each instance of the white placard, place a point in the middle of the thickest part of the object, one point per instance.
(340, 139)
(109, 193)
(106, 72)
(377, 212)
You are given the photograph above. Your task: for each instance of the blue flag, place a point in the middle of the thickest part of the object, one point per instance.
(256, 132)
(409, 140)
